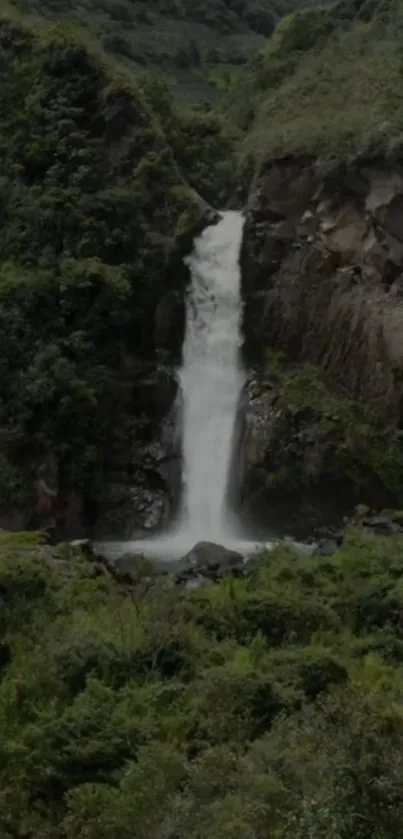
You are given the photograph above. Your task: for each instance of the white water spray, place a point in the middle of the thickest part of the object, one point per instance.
(211, 379)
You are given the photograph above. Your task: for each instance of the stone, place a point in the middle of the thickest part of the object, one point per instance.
(131, 510)
(337, 301)
(209, 560)
(381, 525)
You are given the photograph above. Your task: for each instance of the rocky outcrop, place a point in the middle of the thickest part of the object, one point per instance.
(205, 562)
(139, 471)
(323, 284)
(208, 561)
(304, 465)
(143, 467)
(290, 482)
(323, 276)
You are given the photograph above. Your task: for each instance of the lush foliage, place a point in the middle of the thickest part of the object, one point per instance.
(262, 707)
(267, 706)
(328, 85)
(320, 432)
(92, 199)
(198, 44)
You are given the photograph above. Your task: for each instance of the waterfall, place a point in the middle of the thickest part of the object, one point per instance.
(211, 378)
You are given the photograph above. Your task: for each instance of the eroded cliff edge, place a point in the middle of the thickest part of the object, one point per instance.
(323, 284)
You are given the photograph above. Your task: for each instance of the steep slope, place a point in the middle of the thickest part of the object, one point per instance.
(326, 85)
(198, 45)
(323, 259)
(94, 208)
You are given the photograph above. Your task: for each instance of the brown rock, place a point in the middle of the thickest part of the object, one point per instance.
(332, 294)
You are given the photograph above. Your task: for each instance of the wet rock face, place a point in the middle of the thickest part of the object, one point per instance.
(323, 276)
(322, 283)
(143, 490)
(169, 323)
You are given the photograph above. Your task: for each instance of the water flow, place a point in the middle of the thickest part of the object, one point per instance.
(211, 378)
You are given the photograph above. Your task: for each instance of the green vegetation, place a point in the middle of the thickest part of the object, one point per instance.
(104, 179)
(265, 706)
(93, 203)
(196, 44)
(320, 433)
(327, 85)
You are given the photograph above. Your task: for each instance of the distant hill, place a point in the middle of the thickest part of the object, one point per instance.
(327, 85)
(198, 45)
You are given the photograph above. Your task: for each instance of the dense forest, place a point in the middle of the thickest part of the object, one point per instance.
(249, 708)
(98, 183)
(198, 46)
(264, 703)
(343, 59)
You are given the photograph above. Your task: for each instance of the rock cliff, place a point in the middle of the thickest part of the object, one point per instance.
(323, 276)
(323, 284)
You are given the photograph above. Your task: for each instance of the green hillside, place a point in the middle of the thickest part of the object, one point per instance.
(95, 192)
(259, 702)
(198, 45)
(326, 85)
(252, 708)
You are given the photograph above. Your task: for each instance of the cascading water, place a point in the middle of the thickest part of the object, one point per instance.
(211, 378)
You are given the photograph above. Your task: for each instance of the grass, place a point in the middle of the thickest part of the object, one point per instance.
(336, 100)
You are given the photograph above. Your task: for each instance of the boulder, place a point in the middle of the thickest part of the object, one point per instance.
(321, 268)
(130, 510)
(209, 560)
(381, 525)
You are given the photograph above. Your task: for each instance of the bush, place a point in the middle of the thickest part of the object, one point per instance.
(91, 198)
(247, 705)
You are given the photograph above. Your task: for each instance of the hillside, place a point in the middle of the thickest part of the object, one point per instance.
(255, 707)
(96, 212)
(321, 107)
(199, 46)
(326, 86)
(246, 697)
